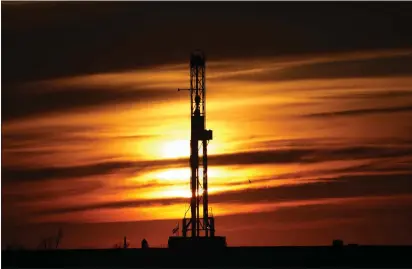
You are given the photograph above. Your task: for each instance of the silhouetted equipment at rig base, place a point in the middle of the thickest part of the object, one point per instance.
(145, 244)
(337, 243)
(126, 244)
(51, 242)
(201, 228)
(199, 242)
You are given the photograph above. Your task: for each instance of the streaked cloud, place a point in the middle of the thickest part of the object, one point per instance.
(356, 112)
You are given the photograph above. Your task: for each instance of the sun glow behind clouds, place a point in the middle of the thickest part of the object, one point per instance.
(174, 146)
(178, 174)
(218, 175)
(175, 149)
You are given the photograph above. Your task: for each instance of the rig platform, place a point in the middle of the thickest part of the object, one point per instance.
(180, 242)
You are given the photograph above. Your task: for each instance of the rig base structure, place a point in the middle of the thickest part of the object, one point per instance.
(195, 243)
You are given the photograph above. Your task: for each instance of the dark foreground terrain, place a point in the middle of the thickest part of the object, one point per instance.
(344, 256)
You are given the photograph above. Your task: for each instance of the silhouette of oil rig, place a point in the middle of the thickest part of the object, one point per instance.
(200, 226)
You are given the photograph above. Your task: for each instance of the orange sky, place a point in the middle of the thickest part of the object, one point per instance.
(314, 131)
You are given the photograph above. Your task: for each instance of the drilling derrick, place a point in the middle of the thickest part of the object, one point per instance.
(200, 227)
(199, 135)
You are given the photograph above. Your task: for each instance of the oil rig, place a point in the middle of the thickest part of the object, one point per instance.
(198, 231)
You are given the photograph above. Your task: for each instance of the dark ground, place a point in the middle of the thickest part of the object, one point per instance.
(346, 256)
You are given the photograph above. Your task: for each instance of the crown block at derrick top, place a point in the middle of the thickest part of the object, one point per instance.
(197, 58)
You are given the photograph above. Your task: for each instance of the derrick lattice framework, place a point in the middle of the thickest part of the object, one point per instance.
(198, 225)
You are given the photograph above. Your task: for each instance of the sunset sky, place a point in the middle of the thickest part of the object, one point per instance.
(311, 102)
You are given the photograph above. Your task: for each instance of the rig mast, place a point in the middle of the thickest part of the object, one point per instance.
(202, 228)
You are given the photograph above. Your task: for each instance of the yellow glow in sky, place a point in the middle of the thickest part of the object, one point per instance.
(175, 149)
